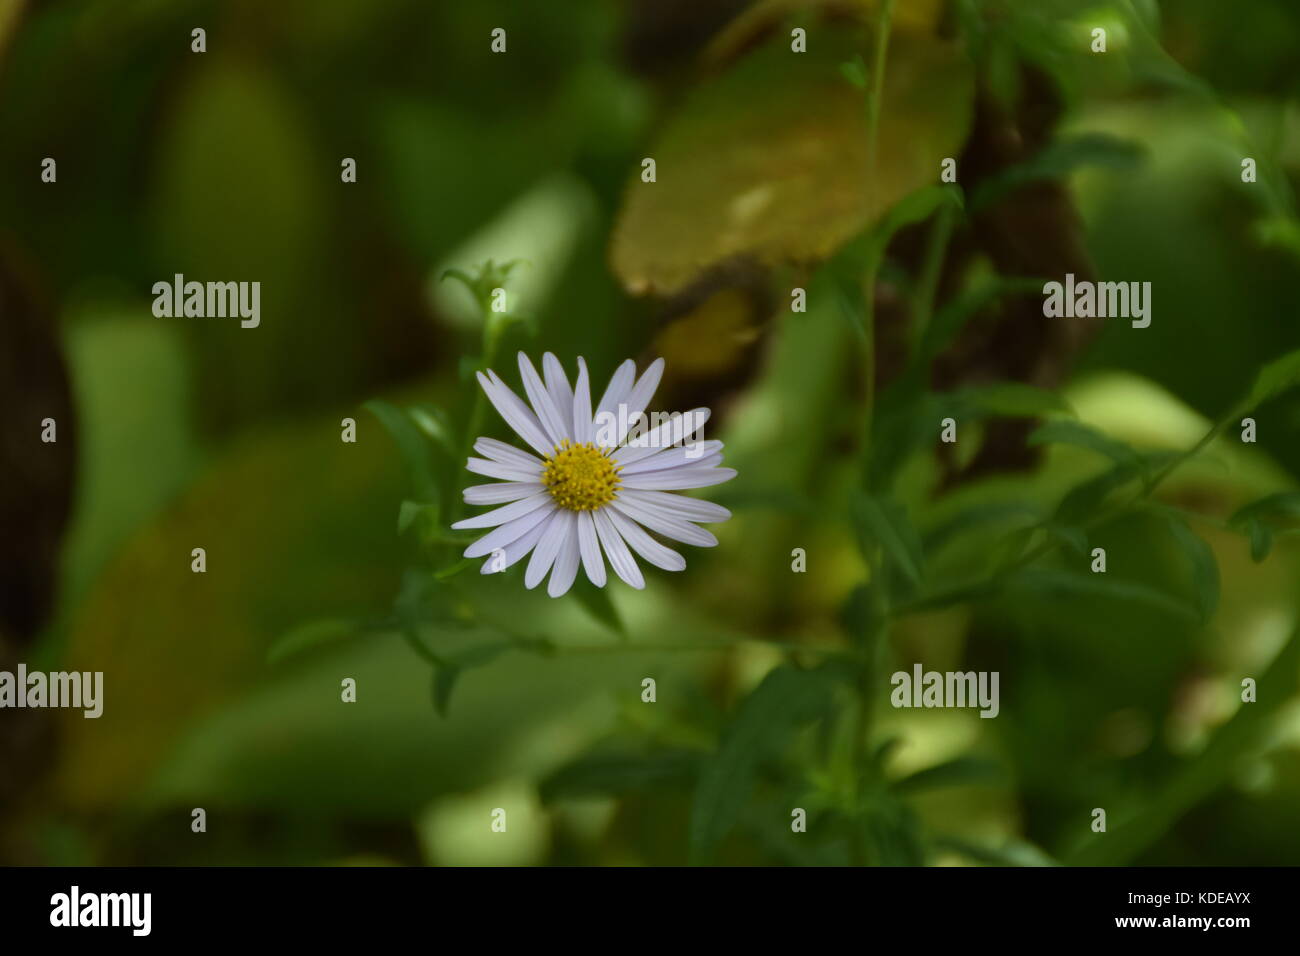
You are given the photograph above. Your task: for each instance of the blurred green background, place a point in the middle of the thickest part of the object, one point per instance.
(328, 560)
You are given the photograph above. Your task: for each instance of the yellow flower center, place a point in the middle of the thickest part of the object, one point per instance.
(580, 477)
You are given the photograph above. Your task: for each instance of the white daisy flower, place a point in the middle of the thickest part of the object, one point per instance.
(602, 478)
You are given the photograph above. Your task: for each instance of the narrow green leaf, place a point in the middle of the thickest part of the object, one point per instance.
(1011, 853)
(433, 421)
(1275, 378)
(884, 521)
(783, 701)
(1204, 567)
(999, 513)
(598, 603)
(1070, 432)
(605, 774)
(1086, 498)
(958, 772)
(1009, 400)
(1275, 509)
(447, 673)
(1261, 539)
(1260, 519)
(1076, 539)
(855, 71)
(412, 444)
(1057, 160)
(313, 634)
(1050, 585)
(949, 320)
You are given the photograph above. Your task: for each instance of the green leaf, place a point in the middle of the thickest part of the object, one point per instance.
(1050, 585)
(1273, 379)
(433, 421)
(452, 666)
(1076, 539)
(1274, 509)
(884, 522)
(916, 206)
(413, 446)
(958, 772)
(1204, 567)
(993, 512)
(1011, 853)
(949, 320)
(309, 635)
(855, 71)
(1260, 519)
(1070, 432)
(784, 700)
(1085, 500)
(1008, 400)
(1057, 160)
(411, 511)
(598, 603)
(605, 774)
(488, 276)
(861, 257)
(1261, 539)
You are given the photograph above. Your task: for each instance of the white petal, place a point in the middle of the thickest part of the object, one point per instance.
(566, 562)
(691, 454)
(552, 423)
(544, 554)
(680, 506)
(515, 550)
(641, 393)
(620, 558)
(557, 384)
(510, 531)
(498, 516)
(500, 492)
(646, 546)
(494, 469)
(677, 479)
(679, 529)
(506, 454)
(516, 414)
(678, 429)
(583, 432)
(589, 547)
(620, 383)
(708, 461)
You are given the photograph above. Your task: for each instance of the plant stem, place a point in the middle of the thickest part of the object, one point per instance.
(874, 98)
(927, 287)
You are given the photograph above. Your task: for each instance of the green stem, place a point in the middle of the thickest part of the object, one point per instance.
(877, 92)
(875, 97)
(928, 285)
